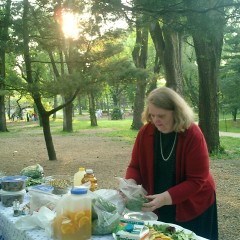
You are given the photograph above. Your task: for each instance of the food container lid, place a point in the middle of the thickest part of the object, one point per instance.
(89, 170)
(79, 190)
(41, 188)
(14, 178)
(8, 193)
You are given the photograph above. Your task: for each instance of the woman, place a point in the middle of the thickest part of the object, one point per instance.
(170, 159)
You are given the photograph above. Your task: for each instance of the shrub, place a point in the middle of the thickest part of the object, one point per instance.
(116, 114)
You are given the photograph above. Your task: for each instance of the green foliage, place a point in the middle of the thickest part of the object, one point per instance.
(229, 125)
(116, 114)
(229, 149)
(229, 71)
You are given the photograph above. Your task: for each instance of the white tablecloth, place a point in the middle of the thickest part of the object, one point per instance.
(8, 231)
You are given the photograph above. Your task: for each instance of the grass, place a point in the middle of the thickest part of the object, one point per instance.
(227, 125)
(120, 130)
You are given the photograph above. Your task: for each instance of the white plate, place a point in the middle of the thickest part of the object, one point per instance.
(143, 216)
(178, 228)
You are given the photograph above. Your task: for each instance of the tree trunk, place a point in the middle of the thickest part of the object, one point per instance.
(173, 60)
(55, 103)
(167, 43)
(79, 105)
(67, 117)
(36, 95)
(139, 55)
(139, 105)
(48, 137)
(234, 114)
(4, 38)
(92, 110)
(3, 125)
(207, 32)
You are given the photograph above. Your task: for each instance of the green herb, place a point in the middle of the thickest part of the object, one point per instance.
(33, 182)
(135, 204)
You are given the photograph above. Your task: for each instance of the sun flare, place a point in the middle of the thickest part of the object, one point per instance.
(70, 25)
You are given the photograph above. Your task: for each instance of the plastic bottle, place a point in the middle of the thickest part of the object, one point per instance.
(78, 176)
(89, 176)
(73, 219)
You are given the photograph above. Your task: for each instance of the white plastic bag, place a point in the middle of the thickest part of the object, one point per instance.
(43, 219)
(112, 196)
(134, 194)
(105, 215)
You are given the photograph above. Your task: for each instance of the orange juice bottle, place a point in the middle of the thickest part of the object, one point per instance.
(78, 176)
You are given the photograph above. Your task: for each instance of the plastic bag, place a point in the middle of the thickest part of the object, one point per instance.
(43, 219)
(134, 194)
(39, 199)
(105, 215)
(113, 197)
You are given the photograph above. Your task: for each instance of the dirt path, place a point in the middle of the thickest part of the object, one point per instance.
(109, 158)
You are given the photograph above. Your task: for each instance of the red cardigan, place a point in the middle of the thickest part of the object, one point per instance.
(195, 188)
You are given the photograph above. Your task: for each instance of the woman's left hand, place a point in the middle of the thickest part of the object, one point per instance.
(157, 201)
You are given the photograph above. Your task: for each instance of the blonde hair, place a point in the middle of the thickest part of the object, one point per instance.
(168, 99)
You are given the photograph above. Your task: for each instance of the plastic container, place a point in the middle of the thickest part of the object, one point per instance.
(90, 177)
(73, 219)
(78, 176)
(42, 196)
(8, 198)
(13, 183)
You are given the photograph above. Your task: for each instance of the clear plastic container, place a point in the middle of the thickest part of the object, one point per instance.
(73, 219)
(78, 176)
(13, 183)
(90, 177)
(41, 196)
(8, 198)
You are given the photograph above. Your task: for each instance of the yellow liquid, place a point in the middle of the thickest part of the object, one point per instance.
(73, 225)
(92, 179)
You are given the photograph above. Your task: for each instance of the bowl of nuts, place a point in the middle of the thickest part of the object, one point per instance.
(61, 183)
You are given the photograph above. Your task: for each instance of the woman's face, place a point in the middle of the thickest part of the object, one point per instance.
(161, 118)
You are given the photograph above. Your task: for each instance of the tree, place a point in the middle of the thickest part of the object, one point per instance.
(206, 23)
(207, 32)
(32, 82)
(4, 25)
(139, 55)
(229, 72)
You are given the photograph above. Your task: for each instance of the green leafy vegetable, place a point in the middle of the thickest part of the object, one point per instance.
(171, 231)
(135, 204)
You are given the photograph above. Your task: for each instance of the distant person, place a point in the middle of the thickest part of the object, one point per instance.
(27, 115)
(170, 159)
(34, 116)
(13, 117)
(99, 113)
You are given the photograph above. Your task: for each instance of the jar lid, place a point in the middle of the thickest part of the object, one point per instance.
(14, 178)
(79, 190)
(81, 169)
(89, 170)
